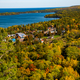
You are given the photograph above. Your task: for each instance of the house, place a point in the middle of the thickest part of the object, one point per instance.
(52, 30)
(63, 31)
(12, 35)
(42, 41)
(20, 35)
(9, 35)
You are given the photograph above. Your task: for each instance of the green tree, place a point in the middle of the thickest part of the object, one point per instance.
(72, 52)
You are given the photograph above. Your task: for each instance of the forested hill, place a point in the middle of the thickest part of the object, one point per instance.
(73, 11)
(41, 11)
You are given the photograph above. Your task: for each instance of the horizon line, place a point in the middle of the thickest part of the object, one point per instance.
(36, 7)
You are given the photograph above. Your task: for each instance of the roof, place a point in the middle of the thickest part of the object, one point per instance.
(22, 35)
(12, 34)
(9, 35)
(63, 31)
(42, 40)
(49, 27)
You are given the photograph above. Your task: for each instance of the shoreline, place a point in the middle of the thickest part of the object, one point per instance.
(27, 22)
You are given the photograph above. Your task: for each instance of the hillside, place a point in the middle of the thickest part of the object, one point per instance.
(55, 57)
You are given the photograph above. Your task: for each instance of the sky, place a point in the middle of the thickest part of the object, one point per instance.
(37, 3)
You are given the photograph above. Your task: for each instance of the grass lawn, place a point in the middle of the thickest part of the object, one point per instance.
(44, 37)
(56, 36)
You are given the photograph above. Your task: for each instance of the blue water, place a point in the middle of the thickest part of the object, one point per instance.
(2, 10)
(26, 18)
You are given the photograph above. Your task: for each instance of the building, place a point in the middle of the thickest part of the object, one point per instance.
(63, 31)
(20, 36)
(42, 41)
(11, 35)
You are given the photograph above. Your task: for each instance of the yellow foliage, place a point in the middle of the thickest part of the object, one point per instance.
(59, 49)
(73, 19)
(68, 27)
(68, 32)
(75, 31)
(69, 78)
(15, 25)
(70, 72)
(44, 75)
(25, 65)
(17, 29)
(76, 26)
(22, 52)
(74, 63)
(28, 71)
(58, 66)
(35, 76)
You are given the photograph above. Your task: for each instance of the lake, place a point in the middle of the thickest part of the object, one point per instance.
(25, 18)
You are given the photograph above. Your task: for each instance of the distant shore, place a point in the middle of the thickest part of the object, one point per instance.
(38, 11)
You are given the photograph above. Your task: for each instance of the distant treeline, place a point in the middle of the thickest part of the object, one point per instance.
(36, 11)
(41, 11)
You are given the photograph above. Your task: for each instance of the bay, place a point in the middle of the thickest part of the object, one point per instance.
(26, 18)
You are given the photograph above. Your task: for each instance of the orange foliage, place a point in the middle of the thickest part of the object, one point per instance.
(38, 56)
(24, 71)
(28, 71)
(47, 70)
(67, 27)
(15, 56)
(41, 61)
(51, 67)
(32, 67)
